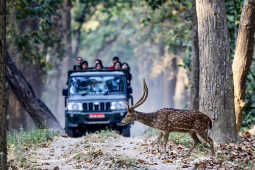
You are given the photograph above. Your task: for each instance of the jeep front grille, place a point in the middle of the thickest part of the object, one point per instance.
(95, 107)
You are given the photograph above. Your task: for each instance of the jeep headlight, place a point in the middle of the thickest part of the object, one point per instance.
(74, 106)
(118, 105)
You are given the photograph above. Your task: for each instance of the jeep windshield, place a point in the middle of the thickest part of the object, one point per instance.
(96, 85)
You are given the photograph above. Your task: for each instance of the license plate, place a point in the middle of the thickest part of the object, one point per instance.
(97, 116)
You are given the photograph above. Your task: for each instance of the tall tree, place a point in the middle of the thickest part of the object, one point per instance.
(65, 63)
(194, 90)
(216, 82)
(3, 145)
(38, 111)
(32, 39)
(243, 56)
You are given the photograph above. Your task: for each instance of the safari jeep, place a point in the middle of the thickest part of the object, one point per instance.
(96, 99)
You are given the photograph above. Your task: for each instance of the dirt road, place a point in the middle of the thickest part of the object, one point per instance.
(97, 151)
(108, 150)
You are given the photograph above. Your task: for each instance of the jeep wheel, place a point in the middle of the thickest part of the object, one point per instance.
(125, 131)
(73, 132)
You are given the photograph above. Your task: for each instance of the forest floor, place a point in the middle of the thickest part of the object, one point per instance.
(108, 150)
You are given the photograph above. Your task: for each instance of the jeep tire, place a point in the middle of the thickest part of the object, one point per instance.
(125, 131)
(73, 132)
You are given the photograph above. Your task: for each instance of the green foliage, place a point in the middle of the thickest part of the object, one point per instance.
(138, 33)
(94, 10)
(155, 4)
(172, 20)
(176, 137)
(28, 138)
(249, 110)
(233, 12)
(181, 138)
(34, 33)
(137, 30)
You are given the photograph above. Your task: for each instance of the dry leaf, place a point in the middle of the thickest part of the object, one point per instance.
(141, 161)
(78, 166)
(56, 168)
(202, 165)
(144, 144)
(167, 161)
(246, 134)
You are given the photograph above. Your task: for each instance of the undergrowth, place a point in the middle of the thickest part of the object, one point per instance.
(176, 137)
(20, 141)
(34, 136)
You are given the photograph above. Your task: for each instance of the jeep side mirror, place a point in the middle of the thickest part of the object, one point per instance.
(65, 92)
(131, 100)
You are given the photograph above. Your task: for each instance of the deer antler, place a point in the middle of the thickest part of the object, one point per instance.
(144, 97)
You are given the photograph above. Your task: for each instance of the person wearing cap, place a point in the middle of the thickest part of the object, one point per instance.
(84, 65)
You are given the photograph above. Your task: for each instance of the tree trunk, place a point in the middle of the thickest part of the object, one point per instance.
(38, 111)
(168, 75)
(172, 81)
(77, 42)
(65, 64)
(243, 56)
(3, 91)
(216, 96)
(194, 90)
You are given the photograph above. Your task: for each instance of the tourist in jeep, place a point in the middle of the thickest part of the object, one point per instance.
(77, 66)
(84, 65)
(114, 60)
(126, 67)
(96, 61)
(117, 66)
(99, 66)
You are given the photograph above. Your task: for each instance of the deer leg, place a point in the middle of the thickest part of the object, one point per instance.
(166, 135)
(195, 139)
(209, 140)
(157, 141)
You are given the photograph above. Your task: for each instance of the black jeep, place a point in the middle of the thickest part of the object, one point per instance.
(96, 99)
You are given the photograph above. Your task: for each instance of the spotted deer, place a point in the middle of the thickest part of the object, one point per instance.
(172, 120)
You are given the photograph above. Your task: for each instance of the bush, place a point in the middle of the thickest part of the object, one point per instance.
(35, 136)
(249, 110)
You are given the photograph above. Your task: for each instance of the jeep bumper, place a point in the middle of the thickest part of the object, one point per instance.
(75, 119)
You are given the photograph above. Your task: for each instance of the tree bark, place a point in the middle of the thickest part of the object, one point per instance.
(216, 82)
(3, 91)
(77, 42)
(65, 63)
(172, 79)
(38, 111)
(243, 57)
(194, 90)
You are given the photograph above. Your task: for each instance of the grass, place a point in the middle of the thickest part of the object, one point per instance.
(180, 138)
(102, 135)
(27, 138)
(176, 137)
(19, 141)
(106, 133)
